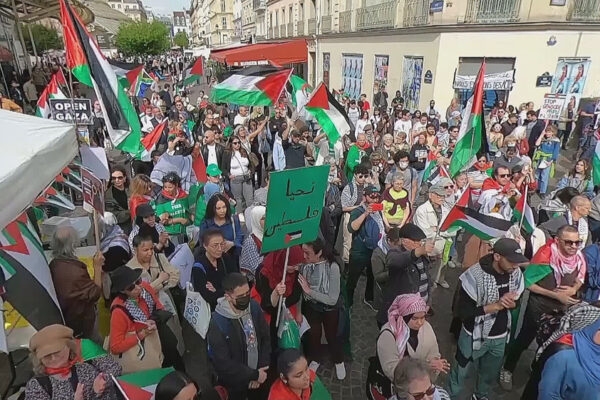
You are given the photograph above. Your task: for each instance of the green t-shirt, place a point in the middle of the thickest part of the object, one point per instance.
(176, 208)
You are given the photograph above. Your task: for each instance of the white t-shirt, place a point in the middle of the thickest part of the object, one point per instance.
(212, 154)
(403, 126)
(239, 120)
(239, 164)
(360, 125)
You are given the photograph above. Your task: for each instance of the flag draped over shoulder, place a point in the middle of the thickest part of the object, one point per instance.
(89, 66)
(329, 113)
(52, 91)
(483, 226)
(25, 275)
(472, 139)
(252, 86)
(539, 267)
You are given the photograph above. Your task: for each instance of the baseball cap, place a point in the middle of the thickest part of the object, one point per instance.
(370, 190)
(510, 249)
(438, 188)
(144, 210)
(213, 170)
(412, 232)
(517, 168)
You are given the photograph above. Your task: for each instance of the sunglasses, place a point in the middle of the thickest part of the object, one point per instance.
(235, 142)
(360, 176)
(133, 285)
(505, 175)
(572, 242)
(117, 178)
(421, 396)
(449, 187)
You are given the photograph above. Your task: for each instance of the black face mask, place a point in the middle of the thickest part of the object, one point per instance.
(242, 302)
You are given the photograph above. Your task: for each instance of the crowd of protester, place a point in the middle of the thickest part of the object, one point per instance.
(383, 210)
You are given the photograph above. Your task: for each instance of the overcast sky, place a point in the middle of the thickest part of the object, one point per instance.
(167, 6)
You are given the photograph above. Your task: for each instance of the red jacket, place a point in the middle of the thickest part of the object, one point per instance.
(121, 324)
(280, 391)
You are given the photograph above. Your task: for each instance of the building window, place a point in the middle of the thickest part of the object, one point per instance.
(224, 21)
(222, 5)
(290, 12)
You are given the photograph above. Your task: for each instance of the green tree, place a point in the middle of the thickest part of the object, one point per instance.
(181, 40)
(142, 38)
(43, 37)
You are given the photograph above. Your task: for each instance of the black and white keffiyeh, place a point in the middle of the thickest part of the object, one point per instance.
(482, 288)
(134, 309)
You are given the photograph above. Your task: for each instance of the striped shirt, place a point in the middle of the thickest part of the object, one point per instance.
(423, 280)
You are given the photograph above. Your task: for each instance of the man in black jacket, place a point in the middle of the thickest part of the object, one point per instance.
(294, 150)
(408, 268)
(240, 346)
(212, 152)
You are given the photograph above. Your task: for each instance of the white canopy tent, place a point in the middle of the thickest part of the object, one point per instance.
(33, 151)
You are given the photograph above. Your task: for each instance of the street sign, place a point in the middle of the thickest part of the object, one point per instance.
(436, 6)
(294, 205)
(74, 111)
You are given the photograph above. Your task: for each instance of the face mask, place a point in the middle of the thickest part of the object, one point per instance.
(242, 303)
(403, 165)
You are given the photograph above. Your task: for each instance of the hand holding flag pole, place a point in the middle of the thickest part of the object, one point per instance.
(280, 305)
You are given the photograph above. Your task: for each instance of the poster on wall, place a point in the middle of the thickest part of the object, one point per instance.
(352, 69)
(326, 66)
(570, 76)
(381, 72)
(412, 70)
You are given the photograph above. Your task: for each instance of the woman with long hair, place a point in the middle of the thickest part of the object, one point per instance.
(178, 385)
(238, 168)
(296, 380)
(362, 122)
(218, 215)
(580, 178)
(116, 197)
(139, 193)
(320, 282)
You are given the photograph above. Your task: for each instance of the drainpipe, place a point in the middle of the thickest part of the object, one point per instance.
(316, 37)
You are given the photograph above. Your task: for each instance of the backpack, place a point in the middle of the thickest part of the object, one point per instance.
(224, 324)
(378, 386)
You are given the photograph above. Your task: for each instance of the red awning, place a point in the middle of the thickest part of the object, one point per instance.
(280, 53)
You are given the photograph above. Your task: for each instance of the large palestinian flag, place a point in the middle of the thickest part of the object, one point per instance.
(89, 66)
(149, 141)
(193, 73)
(25, 275)
(483, 226)
(329, 113)
(300, 91)
(252, 86)
(472, 138)
(52, 91)
(140, 385)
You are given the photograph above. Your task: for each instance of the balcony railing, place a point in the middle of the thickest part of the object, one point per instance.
(300, 28)
(312, 26)
(584, 10)
(326, 24)
(378, 16)
(416, 12)
(259, 4)
(492, 11)
(290, 29)
(346, 21)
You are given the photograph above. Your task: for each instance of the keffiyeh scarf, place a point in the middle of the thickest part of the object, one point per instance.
(132, 306)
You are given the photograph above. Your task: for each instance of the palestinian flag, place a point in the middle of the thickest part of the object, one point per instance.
(523, 215)
(431, 166)
(149, 141)
(539, 267)
(88, 349)
(329, 113)
(252, 86)
(126, 72)
(472, 138)
(89, 66)
(300, 91)
(25, 275)
(193, 73)
(483, 226)
(140, 385)
(52, 197)
(52, 91)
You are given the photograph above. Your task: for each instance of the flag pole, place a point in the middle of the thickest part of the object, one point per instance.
(525, 202)
(280, 305)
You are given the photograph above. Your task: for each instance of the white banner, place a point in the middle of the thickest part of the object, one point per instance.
(498, 81)
(552, 107)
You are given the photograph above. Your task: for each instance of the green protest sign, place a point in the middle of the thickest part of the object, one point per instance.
(294, 204)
